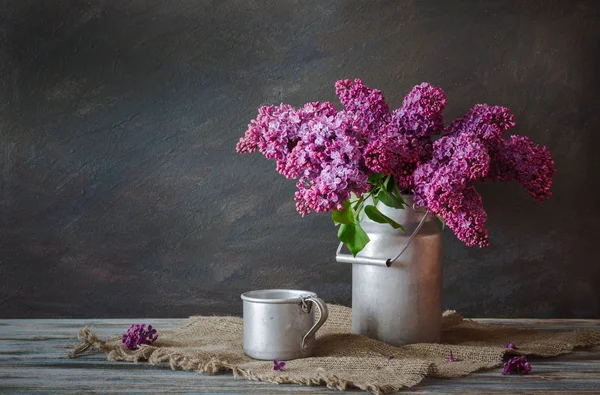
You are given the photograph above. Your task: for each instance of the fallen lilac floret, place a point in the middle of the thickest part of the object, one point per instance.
(450, 358)
(511, 345)
(137, 335)
(517, 365)
(278, 365)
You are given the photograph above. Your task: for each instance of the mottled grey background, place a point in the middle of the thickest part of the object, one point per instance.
(121, 193)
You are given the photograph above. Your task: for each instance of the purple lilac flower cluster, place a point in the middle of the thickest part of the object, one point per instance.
(404, 143)
(365, 107)
(445, 185)
(276, 129)
(473, 149)
(421, 111)
(333, 153)
(520, 159)
(517, 365)
(137, 334)
(328, 161)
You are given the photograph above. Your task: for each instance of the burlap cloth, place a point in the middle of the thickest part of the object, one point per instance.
(343, 360)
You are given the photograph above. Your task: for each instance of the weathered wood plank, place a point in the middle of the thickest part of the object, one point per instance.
(143, 379)
(32, 360)
(42, 329)
(543, 324)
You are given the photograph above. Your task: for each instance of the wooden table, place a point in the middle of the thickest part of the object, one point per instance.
(33, 359)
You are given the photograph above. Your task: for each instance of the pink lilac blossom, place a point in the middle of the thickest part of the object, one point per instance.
(404, 143)
(445, 186)
(137, 335)
(463, 212)
(464, 158)
(393, 152)
(366, 107)
(275, 130)
(328, 161)
(484, 121)
(397, 153)
(421, 111)
(520, 159)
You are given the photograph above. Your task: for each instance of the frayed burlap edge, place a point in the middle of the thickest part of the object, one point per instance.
(89, 342)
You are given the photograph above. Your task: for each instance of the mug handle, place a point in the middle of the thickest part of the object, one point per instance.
(322, 306)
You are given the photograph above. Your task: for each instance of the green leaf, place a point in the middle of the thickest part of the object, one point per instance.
(397, 192)
(345, 216)
(376, 178)
(389, 184)
(354, 237)
(389, 199)
(442, 221)
(375, 200)
(379, 217)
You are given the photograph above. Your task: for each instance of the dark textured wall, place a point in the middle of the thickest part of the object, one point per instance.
(121, 193)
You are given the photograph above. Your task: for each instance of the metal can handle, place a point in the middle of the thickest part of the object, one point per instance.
(345, 258)
(322, 306)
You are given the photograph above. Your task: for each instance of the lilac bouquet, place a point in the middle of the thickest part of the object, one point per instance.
(341, 158)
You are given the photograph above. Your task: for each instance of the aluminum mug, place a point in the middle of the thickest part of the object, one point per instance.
(280, 323)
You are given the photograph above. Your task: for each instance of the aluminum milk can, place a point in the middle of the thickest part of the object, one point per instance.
(398, 299)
